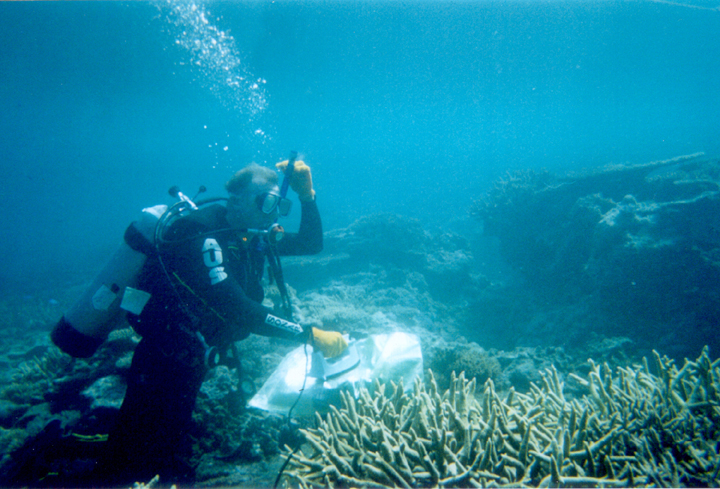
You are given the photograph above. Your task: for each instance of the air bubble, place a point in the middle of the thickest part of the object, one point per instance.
(214, 53)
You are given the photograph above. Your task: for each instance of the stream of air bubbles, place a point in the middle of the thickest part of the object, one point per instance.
(213, 54)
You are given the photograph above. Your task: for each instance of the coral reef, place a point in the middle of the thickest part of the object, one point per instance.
(503, 205)
(440, 264)
(34, 377)
(382, 274)
(223, 423)
(471, 359)
(631, 428)
(152, 483)
(640, 241)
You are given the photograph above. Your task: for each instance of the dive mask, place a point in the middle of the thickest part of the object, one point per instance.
(268, 201)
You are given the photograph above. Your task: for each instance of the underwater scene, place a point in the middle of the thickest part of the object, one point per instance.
(491, 260)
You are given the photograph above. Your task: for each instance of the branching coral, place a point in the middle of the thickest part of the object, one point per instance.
(152, 483)
(34, 377)
(631, 429)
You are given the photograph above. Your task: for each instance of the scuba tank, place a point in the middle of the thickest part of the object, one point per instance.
(82, 330)
(88, 323)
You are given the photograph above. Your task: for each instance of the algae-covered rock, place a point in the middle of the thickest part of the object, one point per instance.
(10, 412)
(106, 392)
(394, 244)
(639, 240)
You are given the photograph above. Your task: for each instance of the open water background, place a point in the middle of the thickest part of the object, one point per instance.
(412, 107)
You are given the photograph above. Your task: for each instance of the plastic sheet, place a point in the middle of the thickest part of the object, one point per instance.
(385, 357)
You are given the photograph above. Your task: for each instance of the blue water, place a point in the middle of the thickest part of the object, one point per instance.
(411, 107)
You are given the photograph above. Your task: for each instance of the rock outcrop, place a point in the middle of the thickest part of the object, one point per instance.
(642, 241)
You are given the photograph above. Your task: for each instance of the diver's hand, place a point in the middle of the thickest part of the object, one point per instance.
(330, 343)
(301, 181)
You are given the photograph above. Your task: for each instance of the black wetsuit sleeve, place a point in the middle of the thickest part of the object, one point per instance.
(309, 238)
(242, 315)
(205, 277)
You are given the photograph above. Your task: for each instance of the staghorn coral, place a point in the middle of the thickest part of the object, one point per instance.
(33, 378)
(152, 483)
(633, 428)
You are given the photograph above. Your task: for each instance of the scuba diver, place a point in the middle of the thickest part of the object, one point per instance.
(201, 280)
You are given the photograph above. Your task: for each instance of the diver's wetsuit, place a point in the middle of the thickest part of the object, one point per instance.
(215, 291)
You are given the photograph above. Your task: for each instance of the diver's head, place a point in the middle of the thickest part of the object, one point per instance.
(254, 201)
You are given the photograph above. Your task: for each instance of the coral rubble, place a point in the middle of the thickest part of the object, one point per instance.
(631, 428)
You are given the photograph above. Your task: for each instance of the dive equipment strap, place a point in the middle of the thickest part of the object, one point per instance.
(272, 255)
(277, 274)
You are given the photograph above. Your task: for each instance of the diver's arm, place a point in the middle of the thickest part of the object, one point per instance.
(243, 315)
(214, 293)
(309, 238)
(232, 313)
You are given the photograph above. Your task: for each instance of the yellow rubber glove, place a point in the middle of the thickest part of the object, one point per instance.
(301, 181)
(330, 343)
